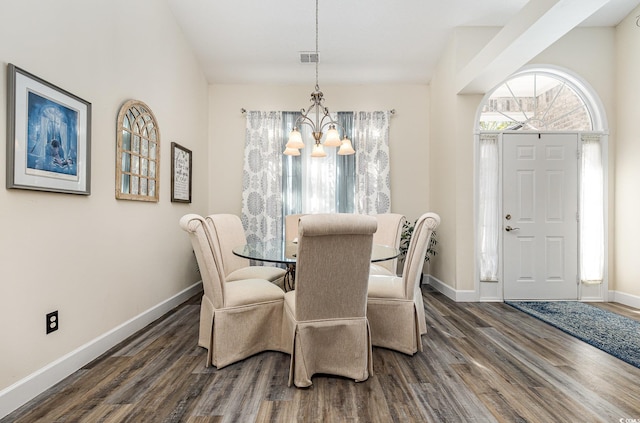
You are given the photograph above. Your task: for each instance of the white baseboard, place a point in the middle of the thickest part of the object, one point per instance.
(33, 385)
(472, 296)
(626, 299)
(456, 295)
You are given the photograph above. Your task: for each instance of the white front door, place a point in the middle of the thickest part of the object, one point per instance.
(539, 220)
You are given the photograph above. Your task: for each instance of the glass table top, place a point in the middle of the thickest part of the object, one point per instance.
(285, 252)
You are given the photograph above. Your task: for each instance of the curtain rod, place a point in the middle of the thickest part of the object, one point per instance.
(243, 111)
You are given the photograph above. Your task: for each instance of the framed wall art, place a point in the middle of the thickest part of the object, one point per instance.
(180, 174)
(48, 136)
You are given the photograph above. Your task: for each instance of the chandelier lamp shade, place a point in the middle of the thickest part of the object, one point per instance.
(318, 118)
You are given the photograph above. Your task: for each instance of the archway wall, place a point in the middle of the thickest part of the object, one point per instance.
(588, 52)
(451, 164)
(627, 163)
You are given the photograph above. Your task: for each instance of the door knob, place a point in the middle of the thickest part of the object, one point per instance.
(509, 229)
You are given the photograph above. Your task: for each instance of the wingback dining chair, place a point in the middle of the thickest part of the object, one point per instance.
(291, 226)
(229, 233)
(395, 308)
(325, 316)
(388, 233)
(237, 319)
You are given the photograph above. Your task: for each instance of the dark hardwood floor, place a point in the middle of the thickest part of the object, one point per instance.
(483, 362)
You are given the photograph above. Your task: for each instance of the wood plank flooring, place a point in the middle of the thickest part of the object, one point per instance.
(483, 362)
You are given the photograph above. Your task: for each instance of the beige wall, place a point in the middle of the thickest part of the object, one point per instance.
(99, 261)
(408, 135)
(627, 157)
(588, 52)
(451, 161)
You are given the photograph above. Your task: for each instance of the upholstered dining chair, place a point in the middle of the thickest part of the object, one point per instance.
(325, 316)
(229, 233)
(291, 226)
(237, 319)
(395, 308)
(388, 233)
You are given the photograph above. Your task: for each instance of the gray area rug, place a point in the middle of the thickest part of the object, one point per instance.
(610, 332)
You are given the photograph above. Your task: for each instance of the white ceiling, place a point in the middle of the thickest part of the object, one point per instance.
(360, 41)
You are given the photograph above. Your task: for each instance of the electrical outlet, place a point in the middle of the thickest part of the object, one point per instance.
(52, 322)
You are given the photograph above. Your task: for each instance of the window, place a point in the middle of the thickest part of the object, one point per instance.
(272, 183)
(536, 101)
(312, 185)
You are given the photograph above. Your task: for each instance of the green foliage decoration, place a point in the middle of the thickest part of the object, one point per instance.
(405, 239)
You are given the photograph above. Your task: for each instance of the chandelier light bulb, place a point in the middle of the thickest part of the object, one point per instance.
(333, 138)
(318, 151)
(291, 151)
(346, 148)
(295, 140)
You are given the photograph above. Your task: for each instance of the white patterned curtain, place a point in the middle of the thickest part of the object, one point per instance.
(488, 203)
(371, 142)
(262, 176)
(591, 211)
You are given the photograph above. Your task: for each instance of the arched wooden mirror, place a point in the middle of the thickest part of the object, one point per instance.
(138, 153)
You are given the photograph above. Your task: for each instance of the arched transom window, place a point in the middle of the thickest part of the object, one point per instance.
(536, 101)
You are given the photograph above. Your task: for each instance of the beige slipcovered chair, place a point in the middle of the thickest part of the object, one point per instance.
(229, 233)
(325, 316)
(388, 233)
(395, 308)
(291, 226)
(237, 319)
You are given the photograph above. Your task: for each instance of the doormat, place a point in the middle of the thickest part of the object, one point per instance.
(610, 332)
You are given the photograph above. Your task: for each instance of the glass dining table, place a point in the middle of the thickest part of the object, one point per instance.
(284, 252)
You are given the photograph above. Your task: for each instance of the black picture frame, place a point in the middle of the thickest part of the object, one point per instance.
(181, 173)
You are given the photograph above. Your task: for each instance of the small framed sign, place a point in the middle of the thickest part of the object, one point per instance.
(181, 171)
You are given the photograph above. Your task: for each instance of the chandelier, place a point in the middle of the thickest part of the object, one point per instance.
(322, 120)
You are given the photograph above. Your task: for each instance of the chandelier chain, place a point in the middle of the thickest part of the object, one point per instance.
(317, 55)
